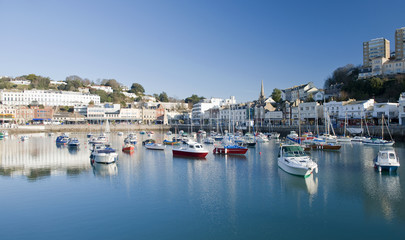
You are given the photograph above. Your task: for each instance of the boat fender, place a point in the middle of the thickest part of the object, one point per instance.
(226, 150)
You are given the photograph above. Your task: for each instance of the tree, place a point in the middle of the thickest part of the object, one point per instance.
(163, 97)
(112, 83)
(194, 99)
(137, 89)
(38, 82)
(310, 98)
(276, 95)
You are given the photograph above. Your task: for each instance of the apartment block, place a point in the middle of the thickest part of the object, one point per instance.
(375, 48)
(400, 43)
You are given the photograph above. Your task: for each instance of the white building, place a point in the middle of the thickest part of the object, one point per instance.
(46, 98)
(298, 92)
(309, 111)
(235, 114)
(357, 109)
(167, 105)
(274, 117)
(57, 82)
(106, 89)
(21, 82)
(202, 106)
(131, 95)
(389, 110)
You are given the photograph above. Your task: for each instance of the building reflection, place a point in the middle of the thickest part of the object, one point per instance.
(38, 158)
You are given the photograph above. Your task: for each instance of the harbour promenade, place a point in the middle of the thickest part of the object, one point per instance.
(84, 128)
(397, 132)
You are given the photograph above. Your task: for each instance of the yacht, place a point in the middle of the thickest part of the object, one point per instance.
(155, 146)
(293, 160)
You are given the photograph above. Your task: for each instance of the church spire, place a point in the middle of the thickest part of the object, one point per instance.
(262, 97)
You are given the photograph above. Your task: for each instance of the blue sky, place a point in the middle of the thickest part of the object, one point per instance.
(210, 48)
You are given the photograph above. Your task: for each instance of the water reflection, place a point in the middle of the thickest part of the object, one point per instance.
(105, 170)
(299, 184)
(39, 158)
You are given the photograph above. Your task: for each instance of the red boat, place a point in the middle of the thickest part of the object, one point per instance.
(195, 150)
(128, 148)
(230, 149)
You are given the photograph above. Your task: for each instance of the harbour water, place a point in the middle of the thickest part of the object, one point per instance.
(50, 192)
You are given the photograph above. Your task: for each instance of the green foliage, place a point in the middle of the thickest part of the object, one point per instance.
(5, 83)
(38, 82)
(116, 86)
(276, 95)
(310, 98)
(137, 89)
(194, 99)
(163, 97)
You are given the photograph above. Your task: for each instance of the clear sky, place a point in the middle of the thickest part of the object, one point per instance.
(212, 48)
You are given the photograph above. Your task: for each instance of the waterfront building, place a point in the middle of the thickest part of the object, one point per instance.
(310, 112)
(274, 117)
(234, 114)
(400, 43)
(388, 110)
(375, 48)
(356, 110)
(199, 108)
(148, 115)
(168, 105)
(46, 98)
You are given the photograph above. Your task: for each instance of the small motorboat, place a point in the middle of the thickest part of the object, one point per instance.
(102, 153)
(148, 141)
(51, 134)
(63, 139)
(155, 146)
(142, 132)
(169, 133)
(194, 150)
(120, 133)
(360, 139)
(293, 160)
(131, 138)
(102, 139)
(378, 142)
(386, 160)
(89, 135)
(230, 149)
(73, 142)
(128, 148)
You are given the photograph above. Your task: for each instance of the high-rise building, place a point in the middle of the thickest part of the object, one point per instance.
(400, 43)
(375, 48)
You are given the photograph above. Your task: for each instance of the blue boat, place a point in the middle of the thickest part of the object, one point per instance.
(63, 139)
(74, 142)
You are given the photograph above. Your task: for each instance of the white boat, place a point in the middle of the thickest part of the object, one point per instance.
(378, 142)
(274, 135)
(155, 146)
(131, 138)
(191, 150)
(103, 154)
(120, 133)
(344, 139)
(169, 133)
(99, 140)
(360, 139)
(261, 138)
(293, 160)
(386, 160)
(51, 134)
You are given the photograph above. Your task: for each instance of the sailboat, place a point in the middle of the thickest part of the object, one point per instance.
(344, 138)
(378, 141)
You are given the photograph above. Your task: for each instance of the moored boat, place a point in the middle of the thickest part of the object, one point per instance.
(24, 138)
(103, 154)
(167, 142)
(386, 160)
(63, 139)
(128, 148)
(73, 142)
(155, 146)
(325, 146)
(147, 141)
(230, 149)
(293, 160)
(195, 150)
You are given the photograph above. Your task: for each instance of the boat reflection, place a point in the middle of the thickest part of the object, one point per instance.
(297, 183)
(105, 170)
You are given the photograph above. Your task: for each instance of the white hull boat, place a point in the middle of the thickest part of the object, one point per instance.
(293, 160)
(155, 146)
(386, 160)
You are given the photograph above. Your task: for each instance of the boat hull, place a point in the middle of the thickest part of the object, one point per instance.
(104, 158)
(390, 168)
(325, 147)
(128, 149)
(303, 172)
(230, 150)
(182, 153)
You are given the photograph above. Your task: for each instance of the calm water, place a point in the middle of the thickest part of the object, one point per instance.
(54, 193)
